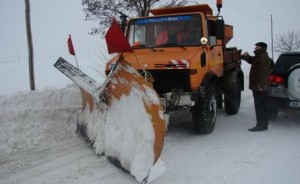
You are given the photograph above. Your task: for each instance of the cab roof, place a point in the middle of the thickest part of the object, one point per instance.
(203, 8)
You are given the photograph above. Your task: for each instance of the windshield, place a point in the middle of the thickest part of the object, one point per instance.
(180, 30)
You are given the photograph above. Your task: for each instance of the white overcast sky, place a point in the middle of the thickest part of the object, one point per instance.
(53, 20)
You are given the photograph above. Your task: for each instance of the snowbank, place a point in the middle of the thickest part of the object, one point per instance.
(33, 118)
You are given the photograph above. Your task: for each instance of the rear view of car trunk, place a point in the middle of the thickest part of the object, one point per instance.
(284, 91)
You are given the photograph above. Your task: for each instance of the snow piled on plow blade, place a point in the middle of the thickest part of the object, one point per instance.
(131, 137)
(123, 136)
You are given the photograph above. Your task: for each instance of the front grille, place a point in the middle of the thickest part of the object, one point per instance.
(166, 80)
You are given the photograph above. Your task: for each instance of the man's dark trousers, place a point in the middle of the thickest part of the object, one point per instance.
(261, 110)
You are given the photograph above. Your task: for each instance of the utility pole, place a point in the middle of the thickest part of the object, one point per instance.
(272, 37)
(30, 46)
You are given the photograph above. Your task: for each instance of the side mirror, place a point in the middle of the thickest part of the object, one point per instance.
(123, 18)
(220, 29)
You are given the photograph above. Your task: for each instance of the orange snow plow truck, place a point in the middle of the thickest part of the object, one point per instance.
(177, 59)
(184, 51)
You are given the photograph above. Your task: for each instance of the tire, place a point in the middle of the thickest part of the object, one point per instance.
(219, 97)
(205, 112)
(294, 83)
(232, 99)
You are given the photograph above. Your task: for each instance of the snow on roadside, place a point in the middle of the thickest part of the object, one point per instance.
(42, 124)
(32, 118)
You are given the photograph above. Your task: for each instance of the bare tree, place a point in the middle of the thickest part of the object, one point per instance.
(30, 46)
(287, 41)
(102, 11)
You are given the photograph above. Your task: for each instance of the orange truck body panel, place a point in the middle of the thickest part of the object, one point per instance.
(161, 60)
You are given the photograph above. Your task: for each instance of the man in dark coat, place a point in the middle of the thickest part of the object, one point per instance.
(258, 83)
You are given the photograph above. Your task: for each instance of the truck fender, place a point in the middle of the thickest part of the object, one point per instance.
(231, 77)
(241, 77)
(209, 78)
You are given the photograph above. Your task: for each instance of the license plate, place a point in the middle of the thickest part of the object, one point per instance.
(294, 104)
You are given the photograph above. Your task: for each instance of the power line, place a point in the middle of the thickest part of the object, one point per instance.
(22, 61)
(256, 15)
(12, 61)
(247, 12)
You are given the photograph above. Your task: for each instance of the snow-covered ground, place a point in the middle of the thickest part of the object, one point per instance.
(38, 144)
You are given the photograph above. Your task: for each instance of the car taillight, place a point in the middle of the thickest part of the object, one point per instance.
(276, 79)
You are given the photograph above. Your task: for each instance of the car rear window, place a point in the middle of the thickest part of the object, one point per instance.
(284, 62)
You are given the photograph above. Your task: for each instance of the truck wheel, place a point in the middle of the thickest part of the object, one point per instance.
(232, 99)
(219, 97)
(205, 112)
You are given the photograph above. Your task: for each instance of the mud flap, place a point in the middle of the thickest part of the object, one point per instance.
(122, 118)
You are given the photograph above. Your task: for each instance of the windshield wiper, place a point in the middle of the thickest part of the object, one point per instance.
(149, 46)
(141, 46)
(168, 44)
(172, 44)
(156, 50)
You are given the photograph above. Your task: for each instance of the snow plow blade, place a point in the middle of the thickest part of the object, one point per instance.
(121, 118)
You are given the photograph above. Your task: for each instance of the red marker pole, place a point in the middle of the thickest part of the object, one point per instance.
(71, 49)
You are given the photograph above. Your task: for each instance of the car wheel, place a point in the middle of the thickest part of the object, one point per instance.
(272, 114)
(294, 83)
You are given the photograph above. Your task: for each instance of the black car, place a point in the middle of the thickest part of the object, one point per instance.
(284, 90)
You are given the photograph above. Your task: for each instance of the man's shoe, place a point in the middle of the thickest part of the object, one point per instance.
(258, 129)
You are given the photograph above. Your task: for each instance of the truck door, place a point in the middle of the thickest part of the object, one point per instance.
(216, 50)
